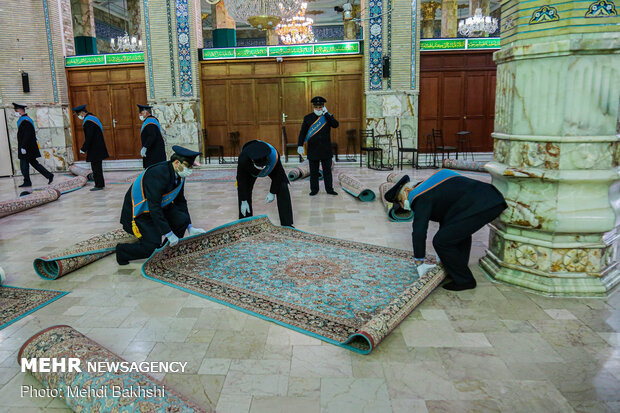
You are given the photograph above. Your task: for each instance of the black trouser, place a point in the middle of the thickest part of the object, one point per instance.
(97, 167)
(283, 198)
(24, 165)
(151, 238)
(453, 243)
(326, 164)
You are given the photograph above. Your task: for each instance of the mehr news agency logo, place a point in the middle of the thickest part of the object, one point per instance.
(74, 365)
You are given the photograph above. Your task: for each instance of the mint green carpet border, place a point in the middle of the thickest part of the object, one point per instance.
(8, 323)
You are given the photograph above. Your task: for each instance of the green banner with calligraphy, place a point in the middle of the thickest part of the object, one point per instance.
(460, 44)
(224, 53)
(484, 43)
(251, 52)
(291, 50)
(337, 48)
(85, 60)
(120, 58)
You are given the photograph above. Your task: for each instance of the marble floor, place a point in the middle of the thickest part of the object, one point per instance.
(495, 348)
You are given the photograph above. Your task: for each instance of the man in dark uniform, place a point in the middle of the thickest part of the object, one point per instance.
(260, 159)
(316, 130)
(461, 206)
(27, 147)
(155, 206)
(94, 144)
(153, 146)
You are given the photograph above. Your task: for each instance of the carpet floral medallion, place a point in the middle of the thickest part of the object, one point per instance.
(16, 303)
(347, 293)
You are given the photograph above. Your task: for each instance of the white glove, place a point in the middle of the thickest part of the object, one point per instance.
(195, 231)
(423, 268)
(245, 208)
(270, 197)
(23, 151)
(143, 152)
(172, 239)
(82, 152)
(300, 150)
(324, 110)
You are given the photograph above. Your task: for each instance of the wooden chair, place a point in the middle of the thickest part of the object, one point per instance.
(235, 144)
(288, 146)
(208, 148)
(366, 134)
(440, 147)
(463, 144)
(402, 150)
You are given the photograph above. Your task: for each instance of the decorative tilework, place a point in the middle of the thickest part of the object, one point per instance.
(185, 56)
(107, 31)
(389, 38)
(149, 62)
(602, 8)
(375, 47)
(544, 14)
(50, 49)
(414, 40)
(171, 49)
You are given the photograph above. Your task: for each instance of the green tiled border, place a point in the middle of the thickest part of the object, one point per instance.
(460, 44)
(278, 51)
(104, 59)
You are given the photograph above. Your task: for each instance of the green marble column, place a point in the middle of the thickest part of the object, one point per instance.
(556, 149)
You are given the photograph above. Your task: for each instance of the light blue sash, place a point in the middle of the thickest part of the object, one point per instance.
(273, 159)
(149, 121)
(93, 119)
(438, 177)
(140, 204)
(23, 118)
(316, 126)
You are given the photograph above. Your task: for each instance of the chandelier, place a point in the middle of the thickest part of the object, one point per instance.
(477, 23)
(126, 44)
(297, 29)
(262, 14)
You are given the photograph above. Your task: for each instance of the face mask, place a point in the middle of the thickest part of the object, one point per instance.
(17, 114)
(406, 205)
(318, 112)
(260, 168)
(81, 116)
(141, 118)
(185, 172)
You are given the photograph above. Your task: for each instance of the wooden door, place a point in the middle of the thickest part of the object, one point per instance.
(125, 144)
(79, 94)
(349, 98)
(295, 105)
(475, 116)
(242, 109)
(215, 108)
(452, 106)
(269, 112)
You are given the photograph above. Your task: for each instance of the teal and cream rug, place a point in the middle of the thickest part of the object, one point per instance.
(16, 303)
(347, 293)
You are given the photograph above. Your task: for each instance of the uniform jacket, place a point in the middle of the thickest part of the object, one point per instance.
(153, 141)
(158, 180)
(448, 202)
(94, 143)
(247, 173)
(26, 139)
(320, 145)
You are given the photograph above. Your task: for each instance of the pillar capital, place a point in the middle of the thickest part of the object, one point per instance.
(429, 9)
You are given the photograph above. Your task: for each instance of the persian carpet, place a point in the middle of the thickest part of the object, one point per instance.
(70, 185)
(464, 165)
(80, 171)
(13, 206)
(354, 187)
(64, 341)
(346, 293)
(62, 262)
(16, 302)
(394, 212)
(199, 175)
(303, 171)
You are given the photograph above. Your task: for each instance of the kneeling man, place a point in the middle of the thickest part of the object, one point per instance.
(461, 206)
(155, 206)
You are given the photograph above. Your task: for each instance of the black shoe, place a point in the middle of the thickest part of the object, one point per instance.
(332, 192)
(313, 193)
(288, 226)
(452, 286)
(25, 185)
(97, 188)
(51, 179)
(121, 261)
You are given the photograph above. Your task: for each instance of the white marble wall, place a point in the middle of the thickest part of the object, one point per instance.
(180, 122)
(53, 133)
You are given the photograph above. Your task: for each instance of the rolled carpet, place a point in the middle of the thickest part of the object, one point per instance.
(13, 206)
(464, 165)
(62, 262)
(394, 213)
(70, 185)
(354, 187)
(108, 389)
(303, 171)
(80, 171)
